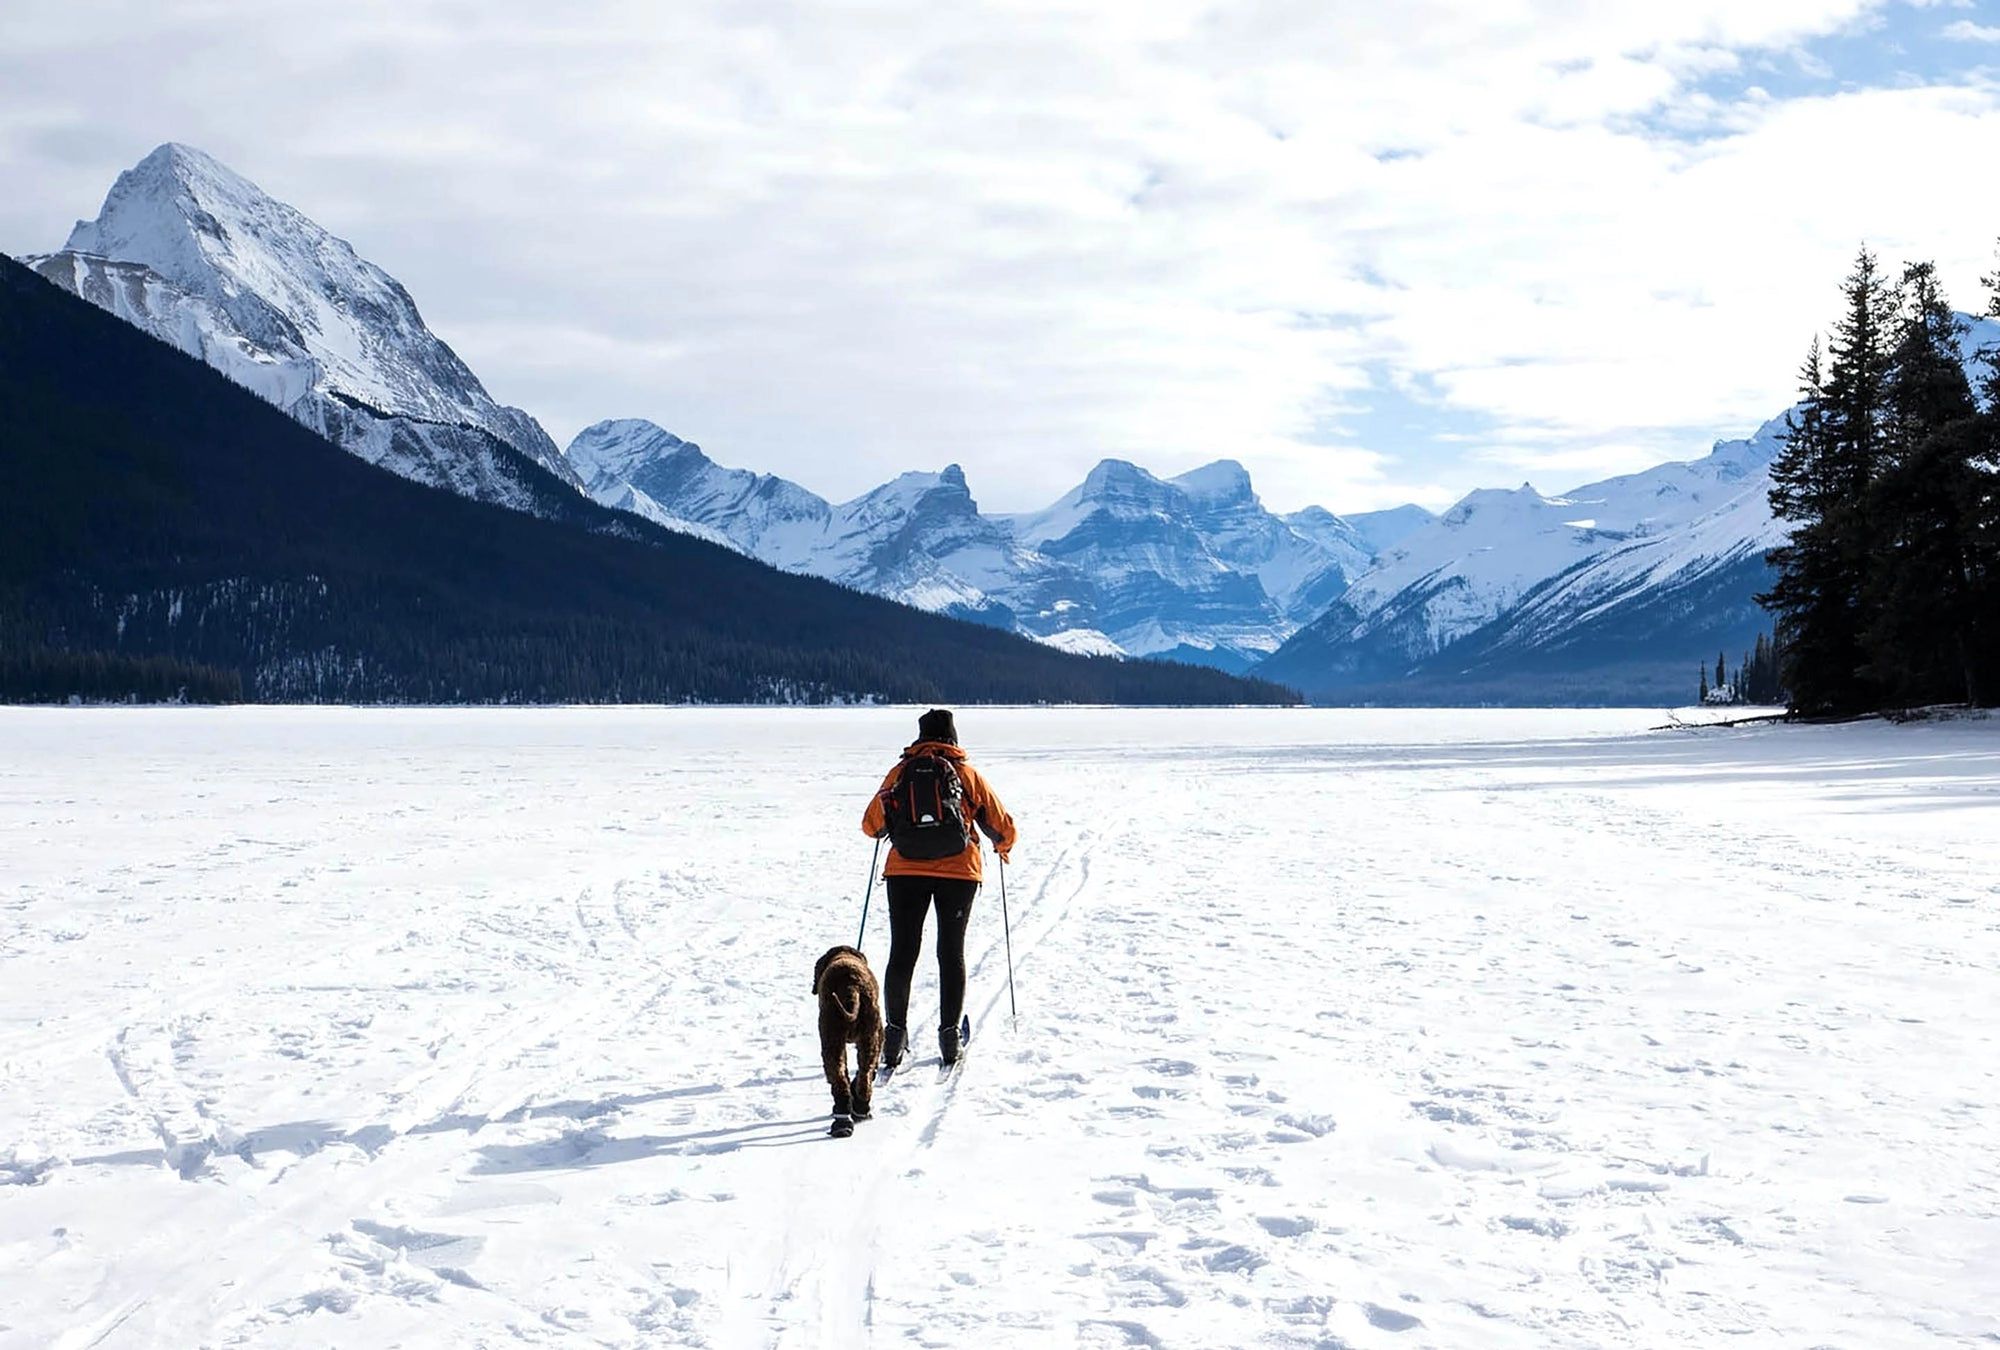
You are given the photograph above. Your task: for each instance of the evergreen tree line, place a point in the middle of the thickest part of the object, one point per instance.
(1756, 679)
(359, 640)
(47, 675)
(1888, 590)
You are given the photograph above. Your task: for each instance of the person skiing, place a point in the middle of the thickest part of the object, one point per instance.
(930, 801)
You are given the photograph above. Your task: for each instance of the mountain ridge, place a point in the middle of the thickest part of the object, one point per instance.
(1611, 592)
(1192, 567)
(173, 513)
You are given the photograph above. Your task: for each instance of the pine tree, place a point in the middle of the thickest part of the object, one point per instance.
(1820, 483)
(1989, 355)
(1805, 599)
(1703, 698)
(1981, 513)
(1760, 673)
(1860, 362)
(1919, 593)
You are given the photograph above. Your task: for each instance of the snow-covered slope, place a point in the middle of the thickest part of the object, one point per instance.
(920, 539)
(1634, 574)
(1513, 587)
(599, 465)
(1489, 550)
(1515, 573)
(200, 257)
(1302, 568)
(1376, 531)
(762, 515)
(1193, 567)
(1305, 1029)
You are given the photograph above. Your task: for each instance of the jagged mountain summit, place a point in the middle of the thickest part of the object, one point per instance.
(199, 256)
(757, 514)
(1192, 567)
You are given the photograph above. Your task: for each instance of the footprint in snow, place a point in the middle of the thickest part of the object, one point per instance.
(1126, 1244)
(1389, 1319)
(1234, 1260)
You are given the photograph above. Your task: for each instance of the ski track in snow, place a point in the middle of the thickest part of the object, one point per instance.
(1345, 1030)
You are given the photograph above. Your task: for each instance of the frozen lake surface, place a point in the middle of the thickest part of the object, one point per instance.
(1337, 1029)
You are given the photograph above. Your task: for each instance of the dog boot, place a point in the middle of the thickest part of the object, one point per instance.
(862, 1089)
(842, 1127)
(948, 1045)
(893, 1037)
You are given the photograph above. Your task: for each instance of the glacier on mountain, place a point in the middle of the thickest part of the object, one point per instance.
(201, 258)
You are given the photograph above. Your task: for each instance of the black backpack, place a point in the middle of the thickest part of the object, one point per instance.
(925, 808)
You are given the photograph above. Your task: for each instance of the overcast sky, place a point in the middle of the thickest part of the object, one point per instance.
(1376, 252)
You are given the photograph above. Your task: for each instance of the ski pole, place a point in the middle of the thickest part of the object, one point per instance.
(868, 892)
(1007, 929)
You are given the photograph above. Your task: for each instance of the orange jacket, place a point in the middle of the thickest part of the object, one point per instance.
(982, 806)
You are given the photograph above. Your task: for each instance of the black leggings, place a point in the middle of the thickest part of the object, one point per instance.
(910, 898)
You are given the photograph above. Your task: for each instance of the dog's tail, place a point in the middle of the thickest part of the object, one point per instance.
(852, 1014)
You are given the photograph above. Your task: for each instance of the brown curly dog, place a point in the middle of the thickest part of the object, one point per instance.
(850, 1010)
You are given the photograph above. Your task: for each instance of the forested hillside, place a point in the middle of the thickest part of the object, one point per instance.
(151, 508)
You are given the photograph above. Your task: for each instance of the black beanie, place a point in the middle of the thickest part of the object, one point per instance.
(936, 725)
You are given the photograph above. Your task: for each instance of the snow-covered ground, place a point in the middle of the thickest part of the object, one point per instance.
(1337, 1029)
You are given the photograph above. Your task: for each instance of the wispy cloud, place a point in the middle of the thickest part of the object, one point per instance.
(1965, 30)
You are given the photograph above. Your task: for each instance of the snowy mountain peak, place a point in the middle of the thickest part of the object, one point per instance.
(1484, 503)
(203, 258)
(916, 493)
(176, 177)
(1121, 488)
(1126, 562)
(1114, 475)
(763, 515)
(284, 280)
(621, 447)
(1221, 483)
(153, 204)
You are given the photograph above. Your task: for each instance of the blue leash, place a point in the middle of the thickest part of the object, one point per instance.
(868, 893)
